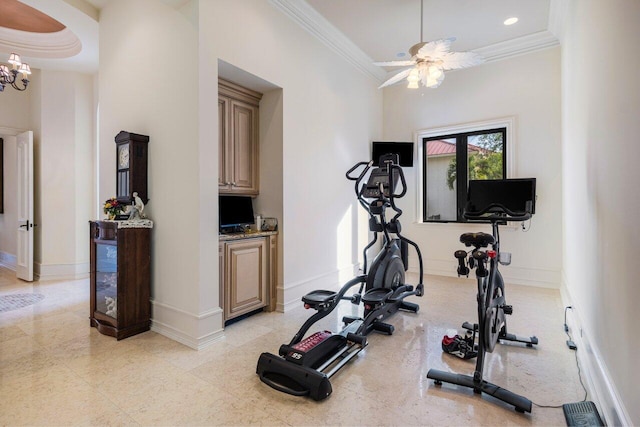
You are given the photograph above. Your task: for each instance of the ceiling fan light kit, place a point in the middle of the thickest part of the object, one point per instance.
(428, 62)
(9, 76)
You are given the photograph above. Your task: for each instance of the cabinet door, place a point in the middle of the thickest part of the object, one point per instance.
(246, 276)
(225, 152)
(244, 135)
(106, 287)
(221, 274)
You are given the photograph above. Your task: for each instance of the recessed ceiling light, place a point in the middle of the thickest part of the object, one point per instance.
(510, 21)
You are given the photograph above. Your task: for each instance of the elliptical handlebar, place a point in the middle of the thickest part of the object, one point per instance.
(356, 166)
(403, 181)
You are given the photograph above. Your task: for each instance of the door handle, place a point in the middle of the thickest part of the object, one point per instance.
(27, 225)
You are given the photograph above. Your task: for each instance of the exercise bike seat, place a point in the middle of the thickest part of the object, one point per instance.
(478, 240)
(319, 298)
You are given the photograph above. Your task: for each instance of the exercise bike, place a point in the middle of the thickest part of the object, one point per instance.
(304, 366)
(496, 201)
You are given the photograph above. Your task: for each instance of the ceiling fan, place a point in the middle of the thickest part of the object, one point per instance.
(428, 62)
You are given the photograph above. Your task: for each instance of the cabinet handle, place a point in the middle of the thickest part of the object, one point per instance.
(233, 183)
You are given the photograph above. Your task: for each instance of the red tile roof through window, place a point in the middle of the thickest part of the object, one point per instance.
(440, 147)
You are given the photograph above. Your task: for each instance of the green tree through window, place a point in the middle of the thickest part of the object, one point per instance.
(450, 161)
(485, 158)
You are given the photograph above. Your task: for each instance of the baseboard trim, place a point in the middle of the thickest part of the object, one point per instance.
(179, 336)
(289, 297)
(514, 275)
(61, 271)
(196, 331)
(598, 380)
(8, 260)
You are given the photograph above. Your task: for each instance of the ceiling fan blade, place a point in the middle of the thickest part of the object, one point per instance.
(455, 60)
(435, 49)
(396, 78)
(395, 63)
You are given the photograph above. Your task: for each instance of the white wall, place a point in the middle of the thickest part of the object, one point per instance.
(600, 105)
(58, 107)
(330, 112)
(14, 118)
(63, 163)
(526, 87)
(148, 83)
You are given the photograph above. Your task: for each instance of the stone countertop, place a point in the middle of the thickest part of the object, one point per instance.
(250, 235)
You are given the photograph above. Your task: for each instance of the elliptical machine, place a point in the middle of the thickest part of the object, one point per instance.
(304, 365)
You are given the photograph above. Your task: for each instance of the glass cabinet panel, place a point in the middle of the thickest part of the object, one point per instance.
(107, 279)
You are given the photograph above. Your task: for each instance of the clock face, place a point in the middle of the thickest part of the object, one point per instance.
(123, 156)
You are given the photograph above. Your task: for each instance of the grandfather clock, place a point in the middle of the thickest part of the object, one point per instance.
(131, 166)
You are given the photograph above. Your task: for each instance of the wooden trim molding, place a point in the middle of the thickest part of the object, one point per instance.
(234, 91)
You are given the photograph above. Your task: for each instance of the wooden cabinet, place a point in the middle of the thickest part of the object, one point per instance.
(238, 134)
(248, 275)
(120, 285)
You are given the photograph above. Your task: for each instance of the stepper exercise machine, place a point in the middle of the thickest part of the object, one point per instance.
(304, 365)
(495, 201)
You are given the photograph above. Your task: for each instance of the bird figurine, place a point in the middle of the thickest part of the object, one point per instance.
(137, 208)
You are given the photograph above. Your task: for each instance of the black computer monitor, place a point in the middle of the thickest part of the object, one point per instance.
(516, 194)
(235, 211)
(403, 149)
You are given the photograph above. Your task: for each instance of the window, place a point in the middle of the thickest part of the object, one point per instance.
(450, 159)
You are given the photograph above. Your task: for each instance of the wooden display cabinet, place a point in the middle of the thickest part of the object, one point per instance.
(120, 277)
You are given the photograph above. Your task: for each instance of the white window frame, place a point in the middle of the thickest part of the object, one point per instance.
(504, 122)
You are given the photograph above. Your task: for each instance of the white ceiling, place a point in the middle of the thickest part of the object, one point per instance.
(385, 28)
(362, 31)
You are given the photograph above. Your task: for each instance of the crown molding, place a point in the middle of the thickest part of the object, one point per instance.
(309, 19)
(317, 25)
(519, 46)
(558, 12)
(61, 44)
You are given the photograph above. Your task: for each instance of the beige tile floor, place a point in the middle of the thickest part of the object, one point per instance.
(56, 370)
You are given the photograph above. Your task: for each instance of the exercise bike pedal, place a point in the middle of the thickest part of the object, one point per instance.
(507, 309)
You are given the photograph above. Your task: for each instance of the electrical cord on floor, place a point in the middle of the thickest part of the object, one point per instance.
(570, 343)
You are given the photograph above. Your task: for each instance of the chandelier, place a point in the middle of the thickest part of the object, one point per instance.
(9, 76)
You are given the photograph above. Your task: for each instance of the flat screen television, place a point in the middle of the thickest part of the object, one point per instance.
(516, 194)
(403, 149)
(235, 211)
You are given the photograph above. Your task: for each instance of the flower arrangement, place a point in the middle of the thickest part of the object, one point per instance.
(112, 207)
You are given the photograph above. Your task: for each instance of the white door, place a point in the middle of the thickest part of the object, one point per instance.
(24, 267)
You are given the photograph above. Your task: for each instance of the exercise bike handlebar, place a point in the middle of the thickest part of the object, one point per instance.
(499, 213)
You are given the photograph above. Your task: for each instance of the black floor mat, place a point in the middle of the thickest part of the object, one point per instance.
(582, 414)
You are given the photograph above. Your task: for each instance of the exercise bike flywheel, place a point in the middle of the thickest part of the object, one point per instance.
(494, 320)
